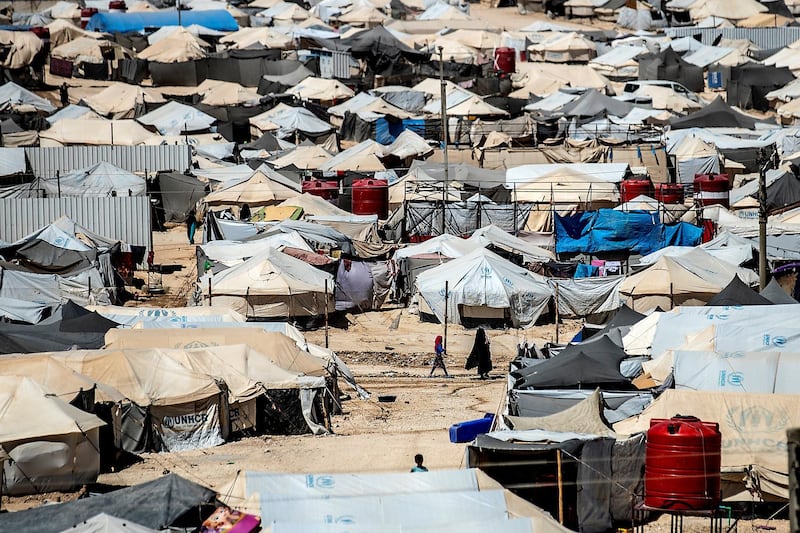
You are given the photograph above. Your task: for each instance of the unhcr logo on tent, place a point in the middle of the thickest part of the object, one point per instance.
(344, 519)
(734, 379)
(756, 419)
(776, 340)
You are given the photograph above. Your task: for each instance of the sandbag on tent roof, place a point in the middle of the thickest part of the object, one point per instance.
(174, 118)
(775, 293)
(101, 179)
(717, 114)
(689, 279)
(104, 523)
(281, 349)
(16, 98)
(52, 445)
(750, 437)
(738, 293)
(270, 285)
(583, 417)
(155, 504)
(482, 282)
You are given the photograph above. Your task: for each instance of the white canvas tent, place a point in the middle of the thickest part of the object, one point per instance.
(483, 285)
(101, 179)
(693, 156)
(52, 445)
(271, 285)
(174, 118)
(256, 191)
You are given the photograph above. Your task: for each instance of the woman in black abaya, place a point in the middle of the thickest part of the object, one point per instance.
(480, 356)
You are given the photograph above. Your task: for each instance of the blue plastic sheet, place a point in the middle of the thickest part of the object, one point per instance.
(217, 19)
(607, 230)
(585, 271)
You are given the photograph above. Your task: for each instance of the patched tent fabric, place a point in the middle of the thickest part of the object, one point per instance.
(155, 504)
(52, 445)
(482, 282)
(583, 417)
(750, 438)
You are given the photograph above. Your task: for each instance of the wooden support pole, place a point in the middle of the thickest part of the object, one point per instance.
(560, 489)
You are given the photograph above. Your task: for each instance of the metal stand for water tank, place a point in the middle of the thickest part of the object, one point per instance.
(155, 284)
(715, 516)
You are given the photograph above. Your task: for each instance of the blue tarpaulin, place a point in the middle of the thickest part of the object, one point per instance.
(218, 19)
(608, 230)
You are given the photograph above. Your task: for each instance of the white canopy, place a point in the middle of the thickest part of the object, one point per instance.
(174, 118)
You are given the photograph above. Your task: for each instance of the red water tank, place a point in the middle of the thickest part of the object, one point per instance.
(682, 464)
(505, 60)
(712, 189)
(669, 193)
(631, 188)
(86, 14)
(324, 189)
(371, 197)
(117, 6)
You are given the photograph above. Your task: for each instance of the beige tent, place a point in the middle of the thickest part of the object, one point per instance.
(689, 279)
(184, 408)
(52, 445)
(21, 46)
(321, 89)
(738, 10)
(666, 98)
(452, 50)
(180, 46)
(765, 20)
(366, 15)
(120, 100)
(63, 31)
(475, 106)
(363, 157)
(284, 12)
(477, 39)
(255, 191)
(753, 428)
(71, 131)
(87, 49)
(544, 79)
(583, 417)
(314, 205)
(279, 348)
(225, 93)
(568, 186)
(264, 36)
(303, 157)
(271, 285)
(563, 48)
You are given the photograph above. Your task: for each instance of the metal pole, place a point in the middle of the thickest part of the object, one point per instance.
(58, 181)
(557, 317)
(178, 8)
(446, 293)
(326, 313)
(762, 221)
(209, 292)
(443, 97)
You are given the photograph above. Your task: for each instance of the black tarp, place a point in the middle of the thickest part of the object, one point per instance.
(775, 294)
(70, 326)
(281, 75)
(717, 114)
(668, 65)
(783, 192)
(778, 7)
(381, 49)
(749, 84)
(585, 365)
(737, 293)
(42, 257)
(592, 103)
(156, 504)
(178, 193)
(594, 487)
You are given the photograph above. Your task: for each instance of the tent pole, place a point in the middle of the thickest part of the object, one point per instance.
(762, 222)
(560, 488)
(209, 292)
(326, 313)
(671, 297)
(446, 292)
(556, 312)
(443, 98)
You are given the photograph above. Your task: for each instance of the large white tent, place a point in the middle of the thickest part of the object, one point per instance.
(482, 284)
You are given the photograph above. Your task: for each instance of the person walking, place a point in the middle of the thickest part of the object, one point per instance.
(480, 356)
(191, 225)
(418, 466)
(438, 361)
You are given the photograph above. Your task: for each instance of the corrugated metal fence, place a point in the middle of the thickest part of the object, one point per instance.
(765, 38)
(46, 162)
(125, 218)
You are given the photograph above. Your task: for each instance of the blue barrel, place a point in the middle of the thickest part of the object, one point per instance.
(467, 431)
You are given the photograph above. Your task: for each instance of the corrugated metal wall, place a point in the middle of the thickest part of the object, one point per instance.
(45, 162)
(125, 218)
(765, 38)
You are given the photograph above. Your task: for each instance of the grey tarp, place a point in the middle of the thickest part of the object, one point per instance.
(668, 65)
(717, 114)
(737, 293)
(594, 486)
(155, 504)
(179, 194)
(775, 294)
(587, 296)
(593, 103)
(617, 405)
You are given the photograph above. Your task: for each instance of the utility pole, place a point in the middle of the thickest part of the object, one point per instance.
(762, 220)
(443, 98)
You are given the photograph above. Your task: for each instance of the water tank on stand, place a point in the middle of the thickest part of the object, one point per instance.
(712, 189)
(669, 193)
(371, 197)
(86, 14)
(505, 60)
(682, 464)
(631, 188)
(329, 190)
